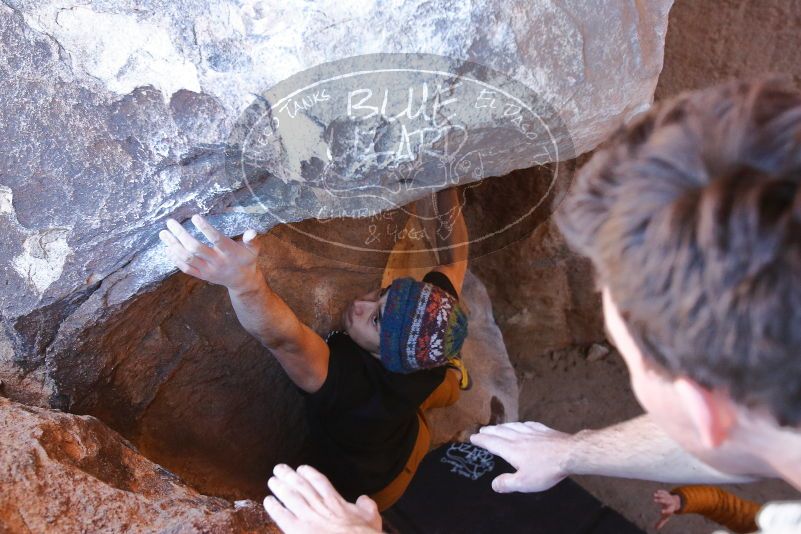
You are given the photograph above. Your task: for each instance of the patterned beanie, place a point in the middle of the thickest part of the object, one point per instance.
(422, 326)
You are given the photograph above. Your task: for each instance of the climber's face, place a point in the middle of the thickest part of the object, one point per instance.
(362, 319)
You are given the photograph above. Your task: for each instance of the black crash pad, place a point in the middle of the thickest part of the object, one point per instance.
(452, 493)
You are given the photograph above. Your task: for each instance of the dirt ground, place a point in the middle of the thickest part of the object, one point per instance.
(566, 391)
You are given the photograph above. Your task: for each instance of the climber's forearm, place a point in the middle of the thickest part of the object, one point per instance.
(301, 352)
(640, 449)
(263, 313)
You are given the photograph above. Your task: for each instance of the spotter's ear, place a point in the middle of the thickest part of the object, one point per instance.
(712, 413)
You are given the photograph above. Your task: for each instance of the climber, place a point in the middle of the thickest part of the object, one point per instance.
(366, 386)
(692, 218)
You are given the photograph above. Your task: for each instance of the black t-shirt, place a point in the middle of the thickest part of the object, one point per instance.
(363, 419)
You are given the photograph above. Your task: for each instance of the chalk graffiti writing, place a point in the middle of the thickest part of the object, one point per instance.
(427, 109)
(294, 106)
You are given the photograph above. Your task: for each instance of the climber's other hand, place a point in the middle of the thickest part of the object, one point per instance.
(226, 262)
(669, 504)
(304, 501)
(539, 454)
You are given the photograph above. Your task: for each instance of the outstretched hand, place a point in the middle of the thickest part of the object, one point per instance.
(304, 501)
(669, 504)
(226, 262)
(538, 452)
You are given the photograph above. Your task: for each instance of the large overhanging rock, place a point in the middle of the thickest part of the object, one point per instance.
(115, 115)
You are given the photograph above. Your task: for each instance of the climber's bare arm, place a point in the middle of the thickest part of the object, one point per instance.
(300, 351)
(637, 448)
(445, 211)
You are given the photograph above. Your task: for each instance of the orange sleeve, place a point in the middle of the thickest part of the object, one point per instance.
(722, 507)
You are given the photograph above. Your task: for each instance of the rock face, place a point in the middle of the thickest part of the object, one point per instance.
(65, 473)
(711, 42)
(114, 115)
(544, 296)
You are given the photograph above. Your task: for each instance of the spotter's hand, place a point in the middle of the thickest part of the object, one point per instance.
(539, 454)
(226, 262)
(304, 501)
(669, 504)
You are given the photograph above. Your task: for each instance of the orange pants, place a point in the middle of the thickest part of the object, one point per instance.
(446, 394)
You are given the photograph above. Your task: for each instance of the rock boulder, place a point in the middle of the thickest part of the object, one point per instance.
(66, 473)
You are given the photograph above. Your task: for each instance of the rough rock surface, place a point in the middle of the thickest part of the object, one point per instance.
(66, 473)
(113, 115)
(543, 295)
(710, 42)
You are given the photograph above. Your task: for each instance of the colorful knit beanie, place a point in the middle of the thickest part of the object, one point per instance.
(422, 326)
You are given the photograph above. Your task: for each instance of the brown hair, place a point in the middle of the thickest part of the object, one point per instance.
(692, 218)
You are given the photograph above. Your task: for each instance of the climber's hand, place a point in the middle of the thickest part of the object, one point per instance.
(226, 262)
(537, 452)
(305, 501)
(669, 504)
